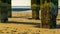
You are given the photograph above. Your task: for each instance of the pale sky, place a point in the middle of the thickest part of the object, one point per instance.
(59, 2)
(23, 2)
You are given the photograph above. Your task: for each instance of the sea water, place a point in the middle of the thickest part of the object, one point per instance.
(21, 8)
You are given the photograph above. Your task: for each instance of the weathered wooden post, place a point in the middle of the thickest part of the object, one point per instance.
(54, 13)
(35, 5)
(9, 7)
(3, 12)
(9, 11)
(48, 14)
(0, 10)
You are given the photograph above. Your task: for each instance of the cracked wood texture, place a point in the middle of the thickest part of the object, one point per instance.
(35, 6)
(49, 13)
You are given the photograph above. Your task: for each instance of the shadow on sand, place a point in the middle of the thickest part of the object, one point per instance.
(27, 23)
(32, 23)
(58, 26)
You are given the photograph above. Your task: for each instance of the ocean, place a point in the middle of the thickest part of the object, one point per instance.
(23, 8)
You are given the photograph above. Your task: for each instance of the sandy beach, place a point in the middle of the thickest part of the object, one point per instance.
(21, 24)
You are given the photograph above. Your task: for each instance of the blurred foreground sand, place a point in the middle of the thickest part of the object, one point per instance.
(20, 24)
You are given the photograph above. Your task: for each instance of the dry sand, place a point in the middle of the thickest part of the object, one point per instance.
(20, 24)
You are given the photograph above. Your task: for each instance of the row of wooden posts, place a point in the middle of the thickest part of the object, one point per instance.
(47, 20)
(5, 13)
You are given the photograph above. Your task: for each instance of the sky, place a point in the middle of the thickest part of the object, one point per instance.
(59, 2)
(24, 2)
(21, 2)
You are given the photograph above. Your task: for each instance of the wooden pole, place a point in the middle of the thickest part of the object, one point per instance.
(48, 17)
(9, 11)
(9, 7)
(35, 9)
(3, 12)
